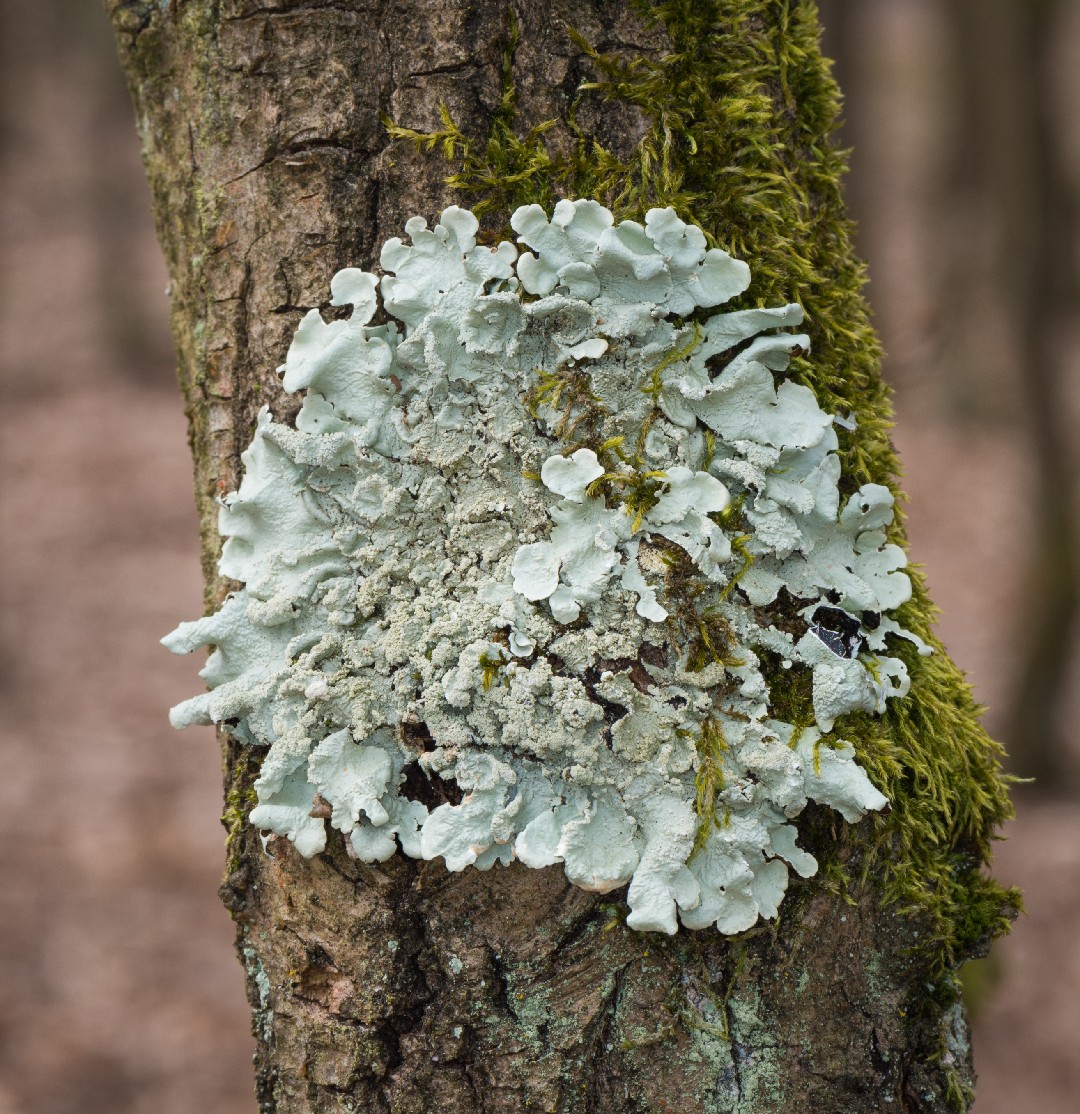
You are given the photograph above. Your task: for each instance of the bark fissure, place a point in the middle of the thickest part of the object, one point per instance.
(292, 150)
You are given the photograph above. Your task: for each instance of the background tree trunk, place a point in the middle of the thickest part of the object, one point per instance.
(401, 987)
(1039, 212)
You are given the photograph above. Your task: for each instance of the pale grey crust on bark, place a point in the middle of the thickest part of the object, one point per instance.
(402, 988)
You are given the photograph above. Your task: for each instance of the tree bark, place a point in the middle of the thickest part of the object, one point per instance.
(402, 988)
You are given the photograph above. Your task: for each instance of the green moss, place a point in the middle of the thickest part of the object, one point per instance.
(958, 1094)
(740, 111)
(492, 667)
(240, 799)
(568, 391)
(709, 782)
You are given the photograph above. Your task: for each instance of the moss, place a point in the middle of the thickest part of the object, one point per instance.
(711, 747)
(240, 799)
(739, 115)
(491, 668)
(569, 390)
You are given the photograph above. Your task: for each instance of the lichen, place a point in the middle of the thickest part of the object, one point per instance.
(738, 110)
(579, 654)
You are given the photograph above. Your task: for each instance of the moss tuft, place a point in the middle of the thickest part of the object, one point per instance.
(740, 112)
(240, 799)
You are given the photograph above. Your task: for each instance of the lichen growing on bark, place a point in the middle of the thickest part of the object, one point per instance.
(550, 520)
(738, 115)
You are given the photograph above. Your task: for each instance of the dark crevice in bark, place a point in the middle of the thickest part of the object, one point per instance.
(292, 150)
(293, 9)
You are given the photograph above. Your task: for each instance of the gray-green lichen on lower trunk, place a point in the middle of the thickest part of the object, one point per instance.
(400, 987)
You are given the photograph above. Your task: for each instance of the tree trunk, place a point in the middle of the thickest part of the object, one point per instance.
(404, 988)
(1038, 211)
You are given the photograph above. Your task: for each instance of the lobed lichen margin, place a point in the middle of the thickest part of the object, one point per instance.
(396, 559)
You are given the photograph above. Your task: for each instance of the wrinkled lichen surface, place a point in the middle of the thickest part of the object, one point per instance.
(513, 577)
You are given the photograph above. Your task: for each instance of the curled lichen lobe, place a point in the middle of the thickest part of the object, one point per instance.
(533, 540)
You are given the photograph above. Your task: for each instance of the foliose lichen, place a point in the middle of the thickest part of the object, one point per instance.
(533, 540)
(737, 109)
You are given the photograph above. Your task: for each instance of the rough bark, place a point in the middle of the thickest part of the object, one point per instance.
(403, 988)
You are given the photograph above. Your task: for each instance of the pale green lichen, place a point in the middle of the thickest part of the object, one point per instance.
(397, 559)
(738, 108)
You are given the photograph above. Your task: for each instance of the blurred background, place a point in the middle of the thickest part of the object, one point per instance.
(119, 991)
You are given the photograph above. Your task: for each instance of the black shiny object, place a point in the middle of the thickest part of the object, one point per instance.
(838, 630)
